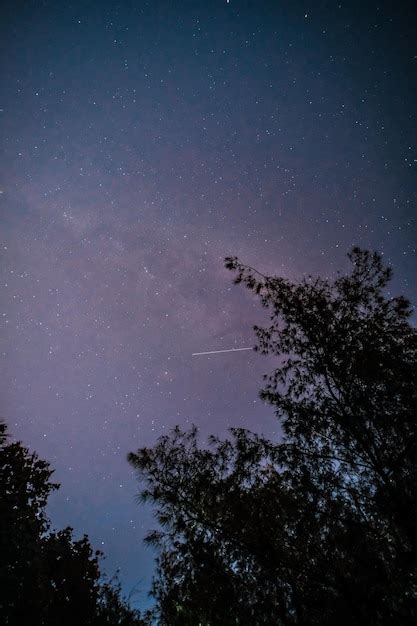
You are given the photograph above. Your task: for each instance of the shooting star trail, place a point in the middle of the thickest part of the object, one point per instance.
(218, 351)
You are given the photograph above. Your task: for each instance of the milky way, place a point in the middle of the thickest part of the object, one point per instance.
(143, 142)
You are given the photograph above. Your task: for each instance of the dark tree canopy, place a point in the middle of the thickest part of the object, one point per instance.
(321, 527)
(47, 578)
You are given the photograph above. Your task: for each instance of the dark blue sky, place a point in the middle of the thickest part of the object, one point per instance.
(141, 143)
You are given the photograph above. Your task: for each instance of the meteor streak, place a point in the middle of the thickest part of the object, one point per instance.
(218, 351)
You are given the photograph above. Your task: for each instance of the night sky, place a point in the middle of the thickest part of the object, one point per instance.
(141, 143)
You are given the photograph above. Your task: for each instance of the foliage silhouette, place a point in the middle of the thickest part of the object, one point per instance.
(321, 527)
(47, 578)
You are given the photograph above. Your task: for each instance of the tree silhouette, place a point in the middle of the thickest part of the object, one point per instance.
(24, 487)
(320, 528)
(47, 578)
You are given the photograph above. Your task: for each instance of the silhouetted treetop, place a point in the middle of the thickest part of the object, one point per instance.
(47, 577)
(321, 527)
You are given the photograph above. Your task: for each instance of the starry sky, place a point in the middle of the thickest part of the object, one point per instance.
(141, 143)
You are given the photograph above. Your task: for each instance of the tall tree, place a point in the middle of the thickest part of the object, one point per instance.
(320, 528)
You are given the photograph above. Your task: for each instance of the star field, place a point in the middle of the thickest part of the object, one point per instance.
(142, 142)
